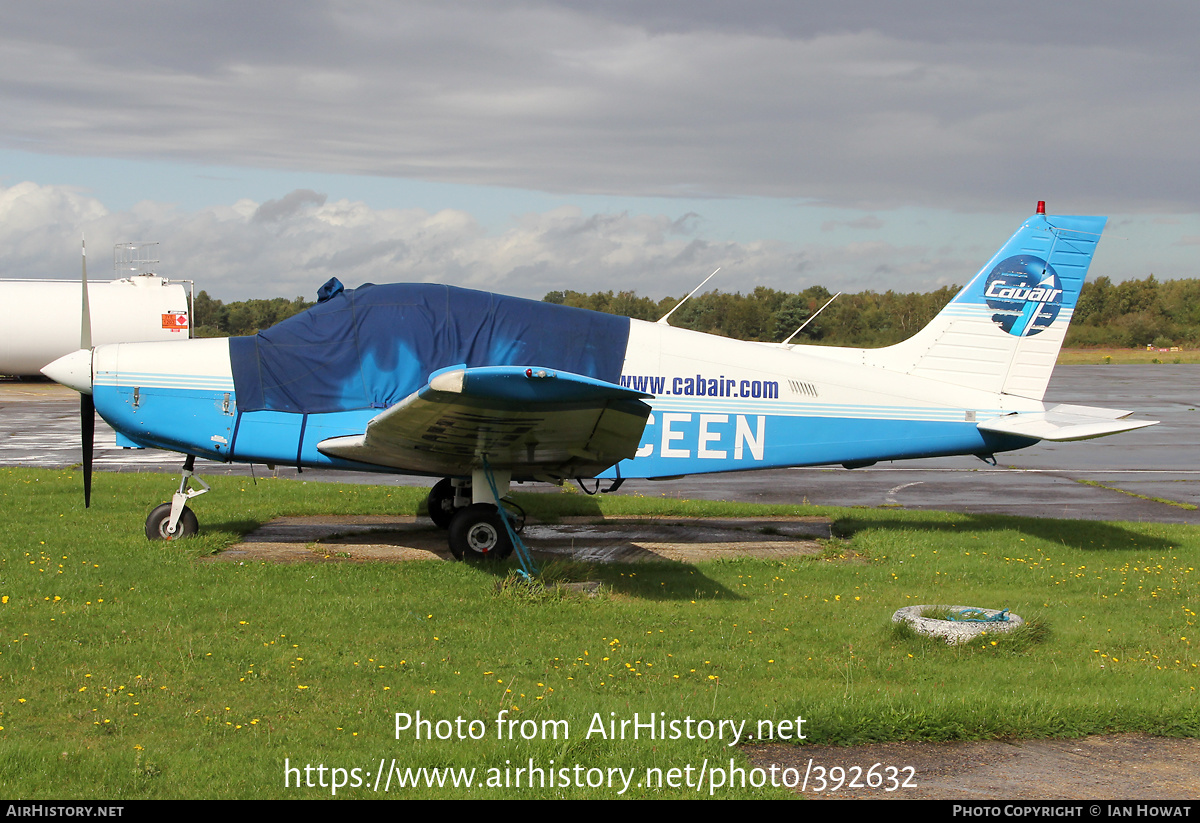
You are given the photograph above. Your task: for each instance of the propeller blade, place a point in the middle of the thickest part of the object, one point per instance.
(87, 426)
(85, 317)
(87, 406)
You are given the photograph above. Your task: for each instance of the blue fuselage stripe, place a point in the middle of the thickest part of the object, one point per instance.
(712, 438)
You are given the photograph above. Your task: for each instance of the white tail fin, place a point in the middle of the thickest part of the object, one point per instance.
(1003, 331)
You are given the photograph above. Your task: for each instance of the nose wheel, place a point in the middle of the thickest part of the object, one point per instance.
(174, 520)
(158, 524)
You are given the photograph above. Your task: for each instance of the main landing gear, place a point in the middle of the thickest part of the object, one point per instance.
(473, 522)
(174, 520)
(477, 531)
(441, 503)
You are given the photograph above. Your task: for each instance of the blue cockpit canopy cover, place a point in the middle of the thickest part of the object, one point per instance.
(373, 346)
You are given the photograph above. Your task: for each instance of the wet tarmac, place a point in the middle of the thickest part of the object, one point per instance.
(1146, 475)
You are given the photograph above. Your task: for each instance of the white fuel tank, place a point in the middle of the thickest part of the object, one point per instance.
(39, 319)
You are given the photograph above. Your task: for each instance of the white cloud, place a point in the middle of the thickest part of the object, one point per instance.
(233, 252)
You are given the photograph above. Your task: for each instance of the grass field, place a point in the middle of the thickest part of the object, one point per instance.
(1124, 357)
(131, 669)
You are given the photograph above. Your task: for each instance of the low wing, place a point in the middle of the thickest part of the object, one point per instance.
(1064, 422)
(531, 421)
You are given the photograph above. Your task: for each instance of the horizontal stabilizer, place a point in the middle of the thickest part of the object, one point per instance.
(1064, 422)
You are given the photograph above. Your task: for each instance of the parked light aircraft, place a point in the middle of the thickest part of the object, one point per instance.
(481, 390)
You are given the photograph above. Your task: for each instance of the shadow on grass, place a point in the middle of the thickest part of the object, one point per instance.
(236, 529)
(549, 507)
(1087, 535)
(667, 581)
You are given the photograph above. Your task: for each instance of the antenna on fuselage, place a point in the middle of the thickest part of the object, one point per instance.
(809, 320)
(663, 319)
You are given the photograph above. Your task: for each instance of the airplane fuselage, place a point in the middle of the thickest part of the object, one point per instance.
(723, 405)
(719, 405)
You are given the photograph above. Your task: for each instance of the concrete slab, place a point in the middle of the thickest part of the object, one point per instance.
(617, 540)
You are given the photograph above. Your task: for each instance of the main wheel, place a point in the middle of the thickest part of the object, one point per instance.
(156, 524)
(441, 503)
(477, 531)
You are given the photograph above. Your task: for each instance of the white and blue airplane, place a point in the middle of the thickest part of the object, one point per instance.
(482, 390)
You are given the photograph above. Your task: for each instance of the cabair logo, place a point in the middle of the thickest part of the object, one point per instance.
(1025, 293)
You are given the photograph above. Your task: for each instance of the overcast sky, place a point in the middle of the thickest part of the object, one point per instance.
(529, 146)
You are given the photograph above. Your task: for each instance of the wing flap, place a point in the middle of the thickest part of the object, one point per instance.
(528, 420)
(1065, 422)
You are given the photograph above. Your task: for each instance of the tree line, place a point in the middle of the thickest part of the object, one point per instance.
(213, 318)
(1137, 313)
(1134, 313)
(866, 319)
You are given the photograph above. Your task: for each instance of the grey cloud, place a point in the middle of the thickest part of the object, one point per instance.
(287, 205)
(686, 224)
(869, 103)
(867, 222)
(1171, 25)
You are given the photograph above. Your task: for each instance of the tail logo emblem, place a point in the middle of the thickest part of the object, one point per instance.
(1025, 293)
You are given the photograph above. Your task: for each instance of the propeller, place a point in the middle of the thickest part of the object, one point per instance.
(74, 370)
(87, 406)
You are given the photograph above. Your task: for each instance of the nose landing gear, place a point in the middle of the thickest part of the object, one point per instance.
(158, 524)
(174, 520)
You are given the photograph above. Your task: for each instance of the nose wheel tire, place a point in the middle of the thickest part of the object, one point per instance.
(477, 531)
(156, 524)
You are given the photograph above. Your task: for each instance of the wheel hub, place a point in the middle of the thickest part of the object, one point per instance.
(483, 538)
